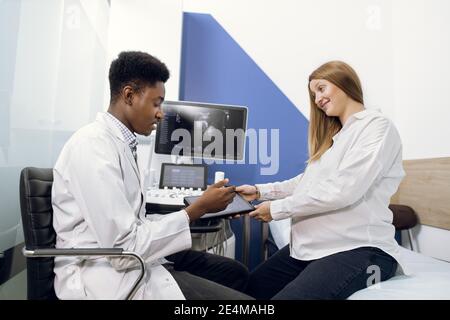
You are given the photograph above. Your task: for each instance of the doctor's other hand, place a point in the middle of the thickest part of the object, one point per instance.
(262, 212)
(215, 198)
(248, 192)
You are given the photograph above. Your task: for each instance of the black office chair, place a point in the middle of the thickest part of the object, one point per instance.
(40, 237)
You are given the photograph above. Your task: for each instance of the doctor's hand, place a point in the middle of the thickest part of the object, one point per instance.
(215, 198)
(262, 212)
(248, 192)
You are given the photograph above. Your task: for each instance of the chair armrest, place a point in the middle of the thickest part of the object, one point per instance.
(105, 252)
(53, 252)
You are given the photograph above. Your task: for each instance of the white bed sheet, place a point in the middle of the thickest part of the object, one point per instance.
(429, 279)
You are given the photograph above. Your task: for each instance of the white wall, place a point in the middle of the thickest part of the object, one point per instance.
(154, 27)
(399, 48)
(421, 51)
(289, 39)
(421, 69)
(151, 26)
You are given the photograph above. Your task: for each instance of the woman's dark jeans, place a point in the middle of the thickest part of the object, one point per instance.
(336, 276)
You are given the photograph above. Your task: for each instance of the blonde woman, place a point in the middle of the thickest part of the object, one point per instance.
(342, 237)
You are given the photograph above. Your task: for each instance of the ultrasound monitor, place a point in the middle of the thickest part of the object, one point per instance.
(202, 130)
(183, 176)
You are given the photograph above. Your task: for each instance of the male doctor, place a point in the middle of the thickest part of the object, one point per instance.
(98, 201)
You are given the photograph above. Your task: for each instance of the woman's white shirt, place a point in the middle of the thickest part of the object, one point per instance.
(341, 200)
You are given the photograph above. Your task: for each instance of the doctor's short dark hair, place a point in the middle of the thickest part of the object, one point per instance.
(136, 69)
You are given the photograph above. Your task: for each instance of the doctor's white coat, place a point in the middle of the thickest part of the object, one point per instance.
(98, 202)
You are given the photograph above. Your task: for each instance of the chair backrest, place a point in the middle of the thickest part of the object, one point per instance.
(404, 217)
(37, 221)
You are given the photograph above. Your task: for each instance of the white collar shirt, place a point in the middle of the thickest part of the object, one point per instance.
(341, 201)
(129, 136)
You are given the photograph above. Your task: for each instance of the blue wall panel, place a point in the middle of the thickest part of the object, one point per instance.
(215, 69)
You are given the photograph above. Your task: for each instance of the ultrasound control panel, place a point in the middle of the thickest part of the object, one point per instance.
(177, 181)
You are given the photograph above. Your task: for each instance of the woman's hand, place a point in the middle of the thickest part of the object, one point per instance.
(248, 192)
(262, 212)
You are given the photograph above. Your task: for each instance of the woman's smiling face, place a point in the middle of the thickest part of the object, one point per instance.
(328, 97)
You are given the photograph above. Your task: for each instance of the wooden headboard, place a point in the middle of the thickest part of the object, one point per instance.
(426, 189)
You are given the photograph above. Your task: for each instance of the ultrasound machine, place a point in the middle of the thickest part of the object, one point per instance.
(189, 135)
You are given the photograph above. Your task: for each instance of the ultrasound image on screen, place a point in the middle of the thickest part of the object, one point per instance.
(201, 130)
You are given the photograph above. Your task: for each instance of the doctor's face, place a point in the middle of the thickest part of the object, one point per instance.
(329, 97)
(145, 110)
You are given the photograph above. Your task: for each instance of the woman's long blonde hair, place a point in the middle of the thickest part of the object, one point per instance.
(321, 127)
